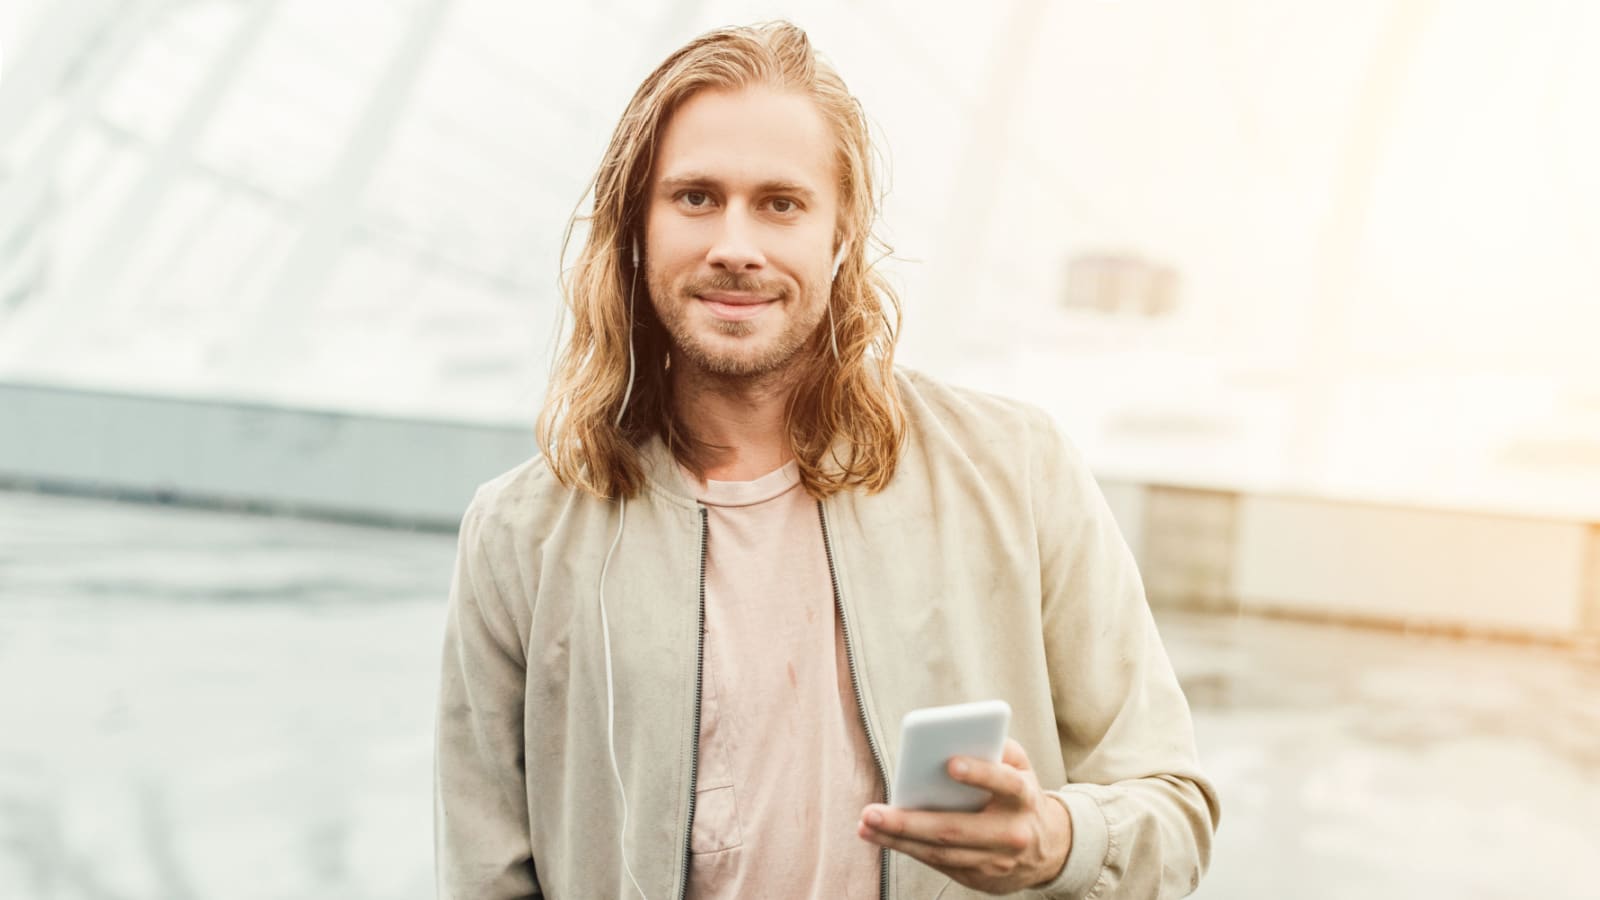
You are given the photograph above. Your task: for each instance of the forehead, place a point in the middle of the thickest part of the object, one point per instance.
(747, 137)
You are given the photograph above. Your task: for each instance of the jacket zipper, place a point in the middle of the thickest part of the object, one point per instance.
(699, 673)
(855, 682)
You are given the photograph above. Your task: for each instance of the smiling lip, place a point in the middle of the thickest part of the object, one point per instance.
(734, 306)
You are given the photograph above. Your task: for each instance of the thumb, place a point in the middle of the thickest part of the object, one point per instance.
(1014, 755)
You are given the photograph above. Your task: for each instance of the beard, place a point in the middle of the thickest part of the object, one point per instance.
(751, 354)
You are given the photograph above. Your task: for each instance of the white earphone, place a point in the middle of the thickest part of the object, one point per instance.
(833, 339)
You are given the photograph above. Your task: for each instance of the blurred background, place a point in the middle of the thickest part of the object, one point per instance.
(1313, 286)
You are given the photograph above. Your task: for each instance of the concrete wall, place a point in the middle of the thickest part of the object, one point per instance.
(1213, 549)
(234, 454)
(1413, 565)
(1360, 562)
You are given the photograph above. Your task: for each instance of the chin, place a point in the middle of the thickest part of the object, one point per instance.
(750, 357)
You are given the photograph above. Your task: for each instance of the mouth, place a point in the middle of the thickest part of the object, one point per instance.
(735, 307)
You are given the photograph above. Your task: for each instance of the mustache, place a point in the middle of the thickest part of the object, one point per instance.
(740, 284)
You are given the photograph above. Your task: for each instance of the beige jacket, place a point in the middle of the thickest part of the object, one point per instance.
(990, 567)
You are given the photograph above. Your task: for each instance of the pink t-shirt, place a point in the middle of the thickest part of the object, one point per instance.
(785, 766)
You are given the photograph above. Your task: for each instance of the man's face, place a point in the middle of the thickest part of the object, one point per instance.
(740, 229)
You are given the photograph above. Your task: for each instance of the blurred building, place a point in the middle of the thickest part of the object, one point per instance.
(1120, 285)
(303, 256)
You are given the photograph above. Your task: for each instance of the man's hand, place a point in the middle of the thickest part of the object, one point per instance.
(1019, 840)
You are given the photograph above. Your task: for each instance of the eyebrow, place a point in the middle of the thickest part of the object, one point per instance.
(771, 186)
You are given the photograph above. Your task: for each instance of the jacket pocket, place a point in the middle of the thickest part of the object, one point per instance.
(716, 804)
(716, 821)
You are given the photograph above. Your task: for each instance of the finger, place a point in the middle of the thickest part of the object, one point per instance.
(1007, 783)
(940, 856)
(989, 831)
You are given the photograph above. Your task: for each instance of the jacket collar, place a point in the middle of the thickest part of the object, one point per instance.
(663, 477)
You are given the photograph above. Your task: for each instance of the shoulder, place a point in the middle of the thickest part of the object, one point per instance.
(1012, 448)
(522, 504)
(971, 420)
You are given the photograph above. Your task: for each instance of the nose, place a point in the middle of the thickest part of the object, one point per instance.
(735, 248)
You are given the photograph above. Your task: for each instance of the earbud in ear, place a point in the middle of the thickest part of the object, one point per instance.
(838, 260)
(636, 251)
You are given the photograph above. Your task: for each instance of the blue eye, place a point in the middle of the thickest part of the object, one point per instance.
(791, 205)
(686, 195)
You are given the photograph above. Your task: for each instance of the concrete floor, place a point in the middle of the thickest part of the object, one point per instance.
(204, 705)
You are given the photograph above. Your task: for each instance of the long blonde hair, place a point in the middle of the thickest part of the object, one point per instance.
(850, 398)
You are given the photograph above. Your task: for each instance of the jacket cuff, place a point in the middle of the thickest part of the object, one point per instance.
(1086, 857)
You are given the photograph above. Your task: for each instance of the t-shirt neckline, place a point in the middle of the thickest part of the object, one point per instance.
(744, 493)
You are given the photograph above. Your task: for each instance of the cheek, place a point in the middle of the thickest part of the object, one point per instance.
(667, 262)
(671, 241)
(659, 283)
(805, 259)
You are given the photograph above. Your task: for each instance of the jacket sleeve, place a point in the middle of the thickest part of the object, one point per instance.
(480, 823)
(1143, 814)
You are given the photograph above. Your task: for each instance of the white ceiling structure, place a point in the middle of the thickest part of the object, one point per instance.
(1385, 216)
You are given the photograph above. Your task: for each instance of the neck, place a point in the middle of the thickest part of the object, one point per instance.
(742, 416)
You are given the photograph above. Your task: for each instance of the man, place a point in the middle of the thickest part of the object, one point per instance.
(681, 640)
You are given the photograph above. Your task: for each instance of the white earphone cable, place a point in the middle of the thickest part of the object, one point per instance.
(605, 624)
(838, 259)
(611, 703)
(633, 285)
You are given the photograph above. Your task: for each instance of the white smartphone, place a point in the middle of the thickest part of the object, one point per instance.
(930, 736)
